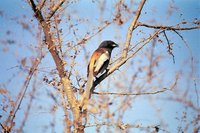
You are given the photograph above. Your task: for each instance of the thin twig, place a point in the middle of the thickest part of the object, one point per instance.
(58, 36)
(185, 102)
(25, 87)
(168, 27)
(85, 39)
(41, 5)
(131, 93)
(27, 112)
(4, 128)
(22, 93)
(124, 126)
(192, 63)
(55, 8)
(169, 48)
(144, 42)
(37, 12)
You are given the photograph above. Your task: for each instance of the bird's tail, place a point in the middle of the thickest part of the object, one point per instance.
(89, 85)
(87, 94)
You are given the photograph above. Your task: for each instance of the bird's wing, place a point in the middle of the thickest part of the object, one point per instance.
(101, 61)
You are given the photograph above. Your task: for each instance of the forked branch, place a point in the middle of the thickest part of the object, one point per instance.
(131, 28)
(46, 27)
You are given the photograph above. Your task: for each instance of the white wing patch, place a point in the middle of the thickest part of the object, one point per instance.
(104, 57)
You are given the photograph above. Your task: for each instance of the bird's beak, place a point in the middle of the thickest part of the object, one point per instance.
(115, 45)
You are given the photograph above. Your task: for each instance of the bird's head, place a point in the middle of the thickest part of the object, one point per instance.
(108, 44)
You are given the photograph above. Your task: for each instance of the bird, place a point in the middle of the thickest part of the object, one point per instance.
(100, 58)
(97, 65)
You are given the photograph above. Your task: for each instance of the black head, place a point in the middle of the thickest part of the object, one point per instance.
(108, 44)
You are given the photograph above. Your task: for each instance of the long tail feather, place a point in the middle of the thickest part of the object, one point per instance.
(89, 85)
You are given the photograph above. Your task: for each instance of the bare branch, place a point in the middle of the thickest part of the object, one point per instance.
(131, 28)
(130, 93)
(124, 126)
(4, 128)
(41, 5)
(141, 93)
(169, 48)
(185, 102)
(46, 27)
(22, 93)
(29, 106)
(37, 12)
(50, 44)
(168, 27)
(184, 41)
(85, 39)
(55, 8)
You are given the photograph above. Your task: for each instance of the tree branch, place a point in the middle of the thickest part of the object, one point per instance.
(5, 130)
(49, 41)
(55, 8)
(168, 27)
(169, 48)
(140, 93)
(37, 12)
(131, 93)
(46, 27)
(41, 5)
(100, 29)
(22, 93)
(131, 28)
(124, 126)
